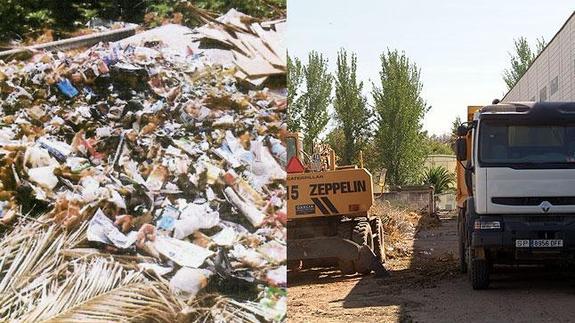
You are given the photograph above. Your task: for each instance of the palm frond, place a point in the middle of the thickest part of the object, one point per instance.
(218, 308)
(441, 179)
(28, 258)
(38, 283)
(101, 290)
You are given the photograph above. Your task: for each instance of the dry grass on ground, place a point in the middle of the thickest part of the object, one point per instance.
(400, 225)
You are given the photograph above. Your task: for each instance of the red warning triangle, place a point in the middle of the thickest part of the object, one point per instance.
(295, 166)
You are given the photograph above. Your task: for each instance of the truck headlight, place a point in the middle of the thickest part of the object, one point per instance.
(486, 225)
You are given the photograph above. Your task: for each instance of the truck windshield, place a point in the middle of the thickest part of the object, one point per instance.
(530, 145)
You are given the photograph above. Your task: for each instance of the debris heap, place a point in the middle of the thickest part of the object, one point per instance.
(257, 48)
(140, 181)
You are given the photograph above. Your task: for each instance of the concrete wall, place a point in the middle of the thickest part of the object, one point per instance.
(447, 161)
(446, 202)
(553, 68)
(416, 198)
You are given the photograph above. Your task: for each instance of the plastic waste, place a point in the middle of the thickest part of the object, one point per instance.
(187, 282)
(67, 88)
(194, 217)
(101, 229)
(277, 276)
(44, 176)
(183, 253)
(252, 213)
(226, 237)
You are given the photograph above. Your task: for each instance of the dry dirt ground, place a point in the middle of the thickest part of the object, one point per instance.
(427, 287)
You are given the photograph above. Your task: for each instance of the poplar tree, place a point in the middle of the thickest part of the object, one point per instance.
(521, 60)
(400, 110)
(294, 82)
(351, 110)
(315, 99)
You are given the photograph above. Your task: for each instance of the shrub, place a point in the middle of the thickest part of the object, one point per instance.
(438, 176)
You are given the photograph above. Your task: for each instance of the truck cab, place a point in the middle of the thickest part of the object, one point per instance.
(517, 163)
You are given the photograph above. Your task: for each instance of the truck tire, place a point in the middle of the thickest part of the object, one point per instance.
(344, 230)
(378, 239)
(461, 241)
(362, 235)
(479, 274)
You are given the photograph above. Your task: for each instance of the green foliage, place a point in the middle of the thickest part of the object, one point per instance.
(161, 11)
(334, 139)
(294, 82)
(39, 18)
(441, 179)
(352, 112)
(371, 156)
(256, 8)
(314, 99)
(21, 17)
(454, 125)
(438, 145)
(13, 13)
(400, 143)
(521, 60)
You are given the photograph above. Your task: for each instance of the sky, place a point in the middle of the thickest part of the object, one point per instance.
(462, 47)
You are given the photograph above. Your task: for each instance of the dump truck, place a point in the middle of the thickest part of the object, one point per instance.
(515, 186)
(328, 221)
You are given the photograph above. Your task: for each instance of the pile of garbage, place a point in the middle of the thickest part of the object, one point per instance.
(141, 181)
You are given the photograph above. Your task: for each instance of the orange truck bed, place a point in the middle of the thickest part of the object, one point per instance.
(462, 193)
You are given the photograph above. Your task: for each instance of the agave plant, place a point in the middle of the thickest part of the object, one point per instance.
(438, 176)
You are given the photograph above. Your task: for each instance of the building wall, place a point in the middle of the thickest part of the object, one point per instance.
(417, 198)
(445, 202)
(447, 161)
(554, 69)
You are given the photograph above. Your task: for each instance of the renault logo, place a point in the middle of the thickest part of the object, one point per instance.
(545, 206)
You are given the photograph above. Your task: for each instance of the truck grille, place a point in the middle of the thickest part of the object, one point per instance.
(543, 219)
(526, 201)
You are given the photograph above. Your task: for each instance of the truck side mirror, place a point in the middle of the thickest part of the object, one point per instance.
(462, 130)
(461, 149)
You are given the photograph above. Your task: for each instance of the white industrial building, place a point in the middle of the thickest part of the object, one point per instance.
(551, 76)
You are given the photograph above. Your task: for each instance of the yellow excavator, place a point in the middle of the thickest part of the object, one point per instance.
(328, 221)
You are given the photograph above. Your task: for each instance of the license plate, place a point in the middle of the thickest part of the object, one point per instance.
(539, 243)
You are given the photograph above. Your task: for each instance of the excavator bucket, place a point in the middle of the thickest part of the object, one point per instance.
(368, 257)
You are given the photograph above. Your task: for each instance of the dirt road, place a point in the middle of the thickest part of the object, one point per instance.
(426, 287)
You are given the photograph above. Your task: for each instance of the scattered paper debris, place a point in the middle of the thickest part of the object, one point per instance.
(159, 153)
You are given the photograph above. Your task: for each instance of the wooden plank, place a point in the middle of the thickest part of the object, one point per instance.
(75, 42)
(216, 33)
(233, 19)
(255, 66)
(270, 23)
(260, 47)
(256, 81)
(239, 45)
(271, 39)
